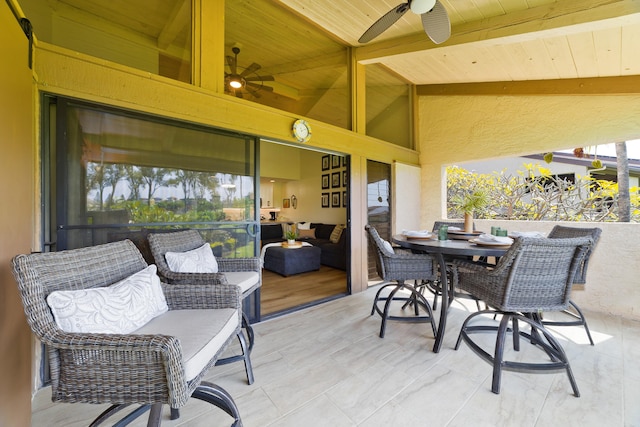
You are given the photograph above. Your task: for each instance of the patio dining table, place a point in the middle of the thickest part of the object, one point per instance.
(442, 251)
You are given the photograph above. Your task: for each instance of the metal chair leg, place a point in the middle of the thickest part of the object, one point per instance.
(245, 357)
(219, 397)
(539, 337)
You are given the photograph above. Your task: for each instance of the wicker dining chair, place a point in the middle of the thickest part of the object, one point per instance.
(397, 267)
(535, 274)
(161, 362)
(573, 311)
(243, 272)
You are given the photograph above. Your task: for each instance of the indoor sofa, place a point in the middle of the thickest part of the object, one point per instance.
(333, 254)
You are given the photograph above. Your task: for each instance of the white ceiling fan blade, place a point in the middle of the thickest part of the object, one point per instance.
(436, 24)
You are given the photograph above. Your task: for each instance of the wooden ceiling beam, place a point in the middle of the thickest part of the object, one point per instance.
(549, 20)
(180, 18)
(338, 59)
(624, 85)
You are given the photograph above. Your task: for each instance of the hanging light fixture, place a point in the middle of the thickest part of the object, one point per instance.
(422, 6)
(236, 81)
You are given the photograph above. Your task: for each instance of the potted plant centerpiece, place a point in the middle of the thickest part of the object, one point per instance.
(468, 204)
(291, 235)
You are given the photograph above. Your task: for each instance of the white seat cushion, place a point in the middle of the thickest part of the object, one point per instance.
(244, 279)
(201, 333)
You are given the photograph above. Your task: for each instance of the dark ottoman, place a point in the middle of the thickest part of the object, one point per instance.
(292, 261)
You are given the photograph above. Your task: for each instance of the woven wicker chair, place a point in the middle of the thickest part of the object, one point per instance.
(243, 272)
(139, 368)
(562, 232)
(535, 274)
(398, 267)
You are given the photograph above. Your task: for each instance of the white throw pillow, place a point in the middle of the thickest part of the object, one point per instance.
(117, 309)
(199, 260)
(387, 246)
(304, 226)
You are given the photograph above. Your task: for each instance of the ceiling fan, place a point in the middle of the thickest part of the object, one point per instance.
(435, 20)
(240, 81)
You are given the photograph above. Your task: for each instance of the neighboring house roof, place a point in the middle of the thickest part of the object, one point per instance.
(608, 162)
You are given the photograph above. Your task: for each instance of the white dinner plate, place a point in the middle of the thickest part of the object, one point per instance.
(484, 243)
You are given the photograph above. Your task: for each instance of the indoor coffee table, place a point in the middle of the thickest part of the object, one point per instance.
(287, 261)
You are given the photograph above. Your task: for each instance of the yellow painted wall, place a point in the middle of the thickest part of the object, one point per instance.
(308, 190)
(16, 218)
(463, 128)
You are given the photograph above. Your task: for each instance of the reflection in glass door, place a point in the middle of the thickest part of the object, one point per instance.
(112, 175)
(378, 205)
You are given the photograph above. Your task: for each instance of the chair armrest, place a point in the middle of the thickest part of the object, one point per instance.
(471, 266)
(410, 265)
(138, 358)
(188, 296)
(194, 278)
(238, 264)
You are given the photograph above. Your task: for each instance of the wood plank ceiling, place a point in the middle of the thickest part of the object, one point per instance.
(492, 40)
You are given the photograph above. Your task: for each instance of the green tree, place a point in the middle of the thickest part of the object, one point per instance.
(153, 178)
(187, 180)
(96, 180)
(134, 181)
(113, 173)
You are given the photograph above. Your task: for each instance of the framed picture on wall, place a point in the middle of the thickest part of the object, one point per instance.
(344, 178)
(344, 160)
(344, 199)
(325, 162)
(325, 181)
(286, 203)
(335, 180)
(325, 200)
(335, 199)
(335, 162)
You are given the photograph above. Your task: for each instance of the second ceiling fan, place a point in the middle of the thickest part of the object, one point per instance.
(240, 81)
(435, 20)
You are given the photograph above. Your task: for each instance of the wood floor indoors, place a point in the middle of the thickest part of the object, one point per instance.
(280, 293)
(326, 366)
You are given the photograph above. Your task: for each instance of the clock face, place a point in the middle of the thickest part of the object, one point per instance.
(301, 130)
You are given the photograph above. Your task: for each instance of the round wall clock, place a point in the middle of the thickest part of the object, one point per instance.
(301, 130)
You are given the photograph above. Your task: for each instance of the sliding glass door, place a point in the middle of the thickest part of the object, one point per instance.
(112, 174)
(378, 205)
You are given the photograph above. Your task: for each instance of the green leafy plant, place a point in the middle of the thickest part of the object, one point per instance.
(471, 202)
(290, 235)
